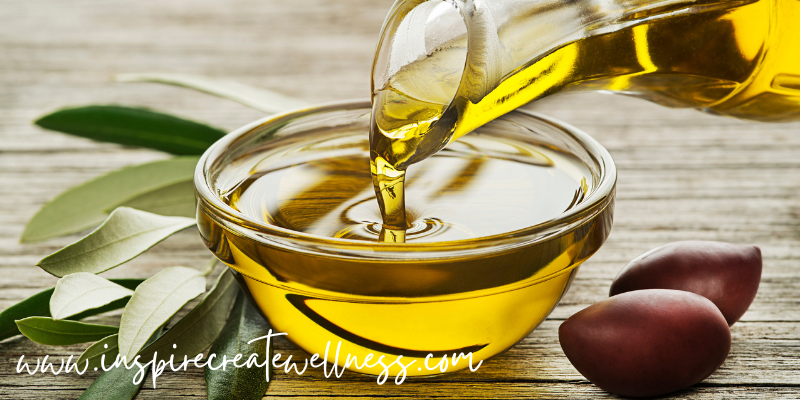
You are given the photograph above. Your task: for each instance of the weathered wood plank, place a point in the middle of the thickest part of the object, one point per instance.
(682, 175)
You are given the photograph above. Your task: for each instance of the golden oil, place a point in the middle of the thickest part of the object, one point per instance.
(469, 279)
(480, 186)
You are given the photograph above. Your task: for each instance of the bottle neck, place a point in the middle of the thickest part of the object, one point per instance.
(443, 69)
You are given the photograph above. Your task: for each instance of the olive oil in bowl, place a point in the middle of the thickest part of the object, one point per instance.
(497, 225)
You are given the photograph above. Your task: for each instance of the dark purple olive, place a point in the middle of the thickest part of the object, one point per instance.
(647, 342)
(727, 274)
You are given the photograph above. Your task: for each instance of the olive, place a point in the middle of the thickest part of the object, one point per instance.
(647, 342)
(727, 274)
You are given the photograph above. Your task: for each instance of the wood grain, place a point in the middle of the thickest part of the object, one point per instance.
(682, 175)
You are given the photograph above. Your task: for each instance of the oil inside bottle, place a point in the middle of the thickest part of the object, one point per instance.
(737, 58)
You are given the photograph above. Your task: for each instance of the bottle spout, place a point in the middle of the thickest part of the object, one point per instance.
(433, 57)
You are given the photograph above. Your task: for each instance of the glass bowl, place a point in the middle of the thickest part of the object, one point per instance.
(398, 309)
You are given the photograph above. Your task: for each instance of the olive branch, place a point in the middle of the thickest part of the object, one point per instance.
(131, 210)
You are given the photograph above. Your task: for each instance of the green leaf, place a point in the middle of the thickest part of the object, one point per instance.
(154, 303)
(134, 127)
(260, 99)
(94, 354)
(46, 330)
(116, 383)
(195, 332)
(176, 200)
(86, 205)
(123, 236)
(114, 305)
(38, 305)
(78, 292)
(245, 324)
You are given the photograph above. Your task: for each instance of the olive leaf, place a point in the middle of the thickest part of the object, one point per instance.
(94, 354)
(260, 99)
(134, 127)
(244, 324)
(117, 383)
(125, 234)
(86, 205)
(38, 305)
(34, 306)
(81, 291)
(46, 330)
(195, 332)
(153, 303)
(176, 200)
(127, 283)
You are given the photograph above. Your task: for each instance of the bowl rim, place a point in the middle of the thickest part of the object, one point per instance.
(591, 206)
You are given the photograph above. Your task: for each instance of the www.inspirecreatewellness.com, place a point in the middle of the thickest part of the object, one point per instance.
(158, 366)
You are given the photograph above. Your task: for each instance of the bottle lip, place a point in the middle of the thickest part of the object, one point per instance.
(270, 235)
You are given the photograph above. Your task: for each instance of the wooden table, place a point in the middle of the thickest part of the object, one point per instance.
(682, 175)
